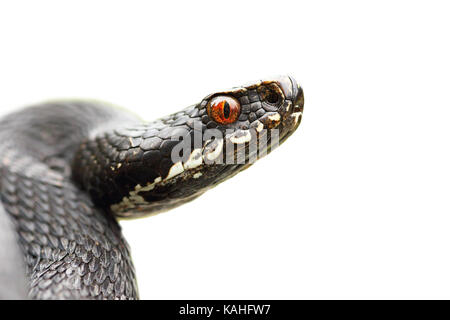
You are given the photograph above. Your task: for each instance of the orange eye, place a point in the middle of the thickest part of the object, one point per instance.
(224, 109)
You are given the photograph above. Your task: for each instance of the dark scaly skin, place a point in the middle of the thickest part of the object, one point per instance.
(72, 248)
(66, 167)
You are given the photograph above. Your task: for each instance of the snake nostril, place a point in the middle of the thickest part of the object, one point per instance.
(272, 97)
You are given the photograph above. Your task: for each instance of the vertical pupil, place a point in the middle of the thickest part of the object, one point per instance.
(226, 110)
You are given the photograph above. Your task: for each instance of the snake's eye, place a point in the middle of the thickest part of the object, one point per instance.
(271, 94)
(224, 109)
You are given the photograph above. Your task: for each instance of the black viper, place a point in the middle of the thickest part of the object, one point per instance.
(68, 169)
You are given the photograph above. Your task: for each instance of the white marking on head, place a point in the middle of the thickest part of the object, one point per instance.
(213, 154)
(148, 187)
(260, 126)
(195, 159)
(241, 136)
(274, 117)
(257, 125)
(175, 170)
(296, 115)
(288, 107)
(197, 175)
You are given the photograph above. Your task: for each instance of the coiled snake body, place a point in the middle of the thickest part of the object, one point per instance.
(68, 169)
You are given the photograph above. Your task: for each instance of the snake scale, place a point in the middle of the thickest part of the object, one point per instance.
(70, 169)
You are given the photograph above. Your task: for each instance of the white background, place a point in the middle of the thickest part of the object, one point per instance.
(354, 205)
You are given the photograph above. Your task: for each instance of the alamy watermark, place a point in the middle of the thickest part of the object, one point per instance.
(234, 146)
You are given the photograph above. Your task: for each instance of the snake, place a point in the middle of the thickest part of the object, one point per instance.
(71, 169)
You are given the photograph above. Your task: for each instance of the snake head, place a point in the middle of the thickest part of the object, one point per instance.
(170, 161)
(264, 114)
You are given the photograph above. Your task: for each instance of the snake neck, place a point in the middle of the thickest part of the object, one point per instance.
(119, 160)
(42, 140)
